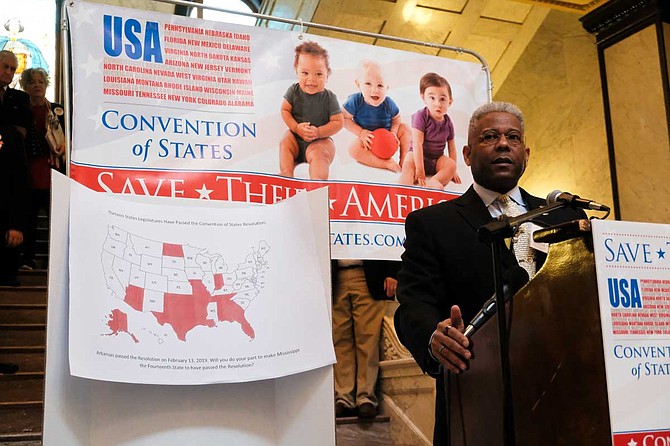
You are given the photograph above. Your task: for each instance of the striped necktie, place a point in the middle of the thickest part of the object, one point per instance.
(525, 255)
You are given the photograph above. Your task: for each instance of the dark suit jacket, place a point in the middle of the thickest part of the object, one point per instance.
(445, 264)
(15, 109)
(376, 271)
(14, 184)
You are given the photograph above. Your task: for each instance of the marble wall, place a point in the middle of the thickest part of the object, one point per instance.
(639, 127)
(556, 83)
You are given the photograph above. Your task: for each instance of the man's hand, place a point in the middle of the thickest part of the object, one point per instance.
(390, 285)
(448, 344)
(60, 149)
(13, 238)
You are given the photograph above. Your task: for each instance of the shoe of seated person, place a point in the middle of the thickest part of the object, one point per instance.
(367, 410)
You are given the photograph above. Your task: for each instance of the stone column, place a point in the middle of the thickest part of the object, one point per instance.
(633, 39)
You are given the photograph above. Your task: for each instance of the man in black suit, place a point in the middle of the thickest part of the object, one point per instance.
(13, 210)
(446, 272)
(14, 104)
(14, 119)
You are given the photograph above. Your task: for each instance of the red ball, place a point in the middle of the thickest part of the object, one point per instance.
(384, 144)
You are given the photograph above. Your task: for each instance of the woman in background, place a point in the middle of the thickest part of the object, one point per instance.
(45, 147)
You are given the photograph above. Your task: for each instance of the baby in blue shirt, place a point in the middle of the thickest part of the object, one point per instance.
(371, 109)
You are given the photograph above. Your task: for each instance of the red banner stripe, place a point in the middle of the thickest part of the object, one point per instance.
(349, 201)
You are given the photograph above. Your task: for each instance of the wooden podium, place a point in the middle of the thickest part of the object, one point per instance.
(557, 368)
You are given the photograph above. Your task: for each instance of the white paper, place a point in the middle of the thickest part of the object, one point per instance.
(168, 293)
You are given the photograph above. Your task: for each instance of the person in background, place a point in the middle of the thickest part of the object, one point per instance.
(14, 197)
(360, 291)
(14, 104)
(42, 154)
(13, 209)
(446, 272)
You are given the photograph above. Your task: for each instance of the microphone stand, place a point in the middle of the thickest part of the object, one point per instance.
(505, 227)
(494, 233)
(508, 409)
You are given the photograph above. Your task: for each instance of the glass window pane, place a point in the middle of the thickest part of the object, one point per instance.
(219, 16)
(28, 29)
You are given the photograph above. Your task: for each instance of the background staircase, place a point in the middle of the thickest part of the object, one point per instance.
(23, 342)
(23, 315)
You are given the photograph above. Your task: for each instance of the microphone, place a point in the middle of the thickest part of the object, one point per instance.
(575, 201)
(514, 278)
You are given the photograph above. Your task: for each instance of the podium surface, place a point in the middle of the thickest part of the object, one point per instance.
(557, 368)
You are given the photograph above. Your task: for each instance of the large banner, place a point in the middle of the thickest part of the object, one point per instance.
(173, 106)
(633, 272)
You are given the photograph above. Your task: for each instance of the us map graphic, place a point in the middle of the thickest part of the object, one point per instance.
(182, 286)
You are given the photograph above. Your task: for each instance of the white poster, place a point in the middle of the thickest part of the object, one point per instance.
(174, 106)
(164, 292)
(633, 272)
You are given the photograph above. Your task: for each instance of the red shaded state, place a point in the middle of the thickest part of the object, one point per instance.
(134, 297)
(185, 312)
(172, 250)
(218, 281)
(231, 312)
(118, 323)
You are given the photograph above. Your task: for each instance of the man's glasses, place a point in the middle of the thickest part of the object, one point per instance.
(490, 137)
